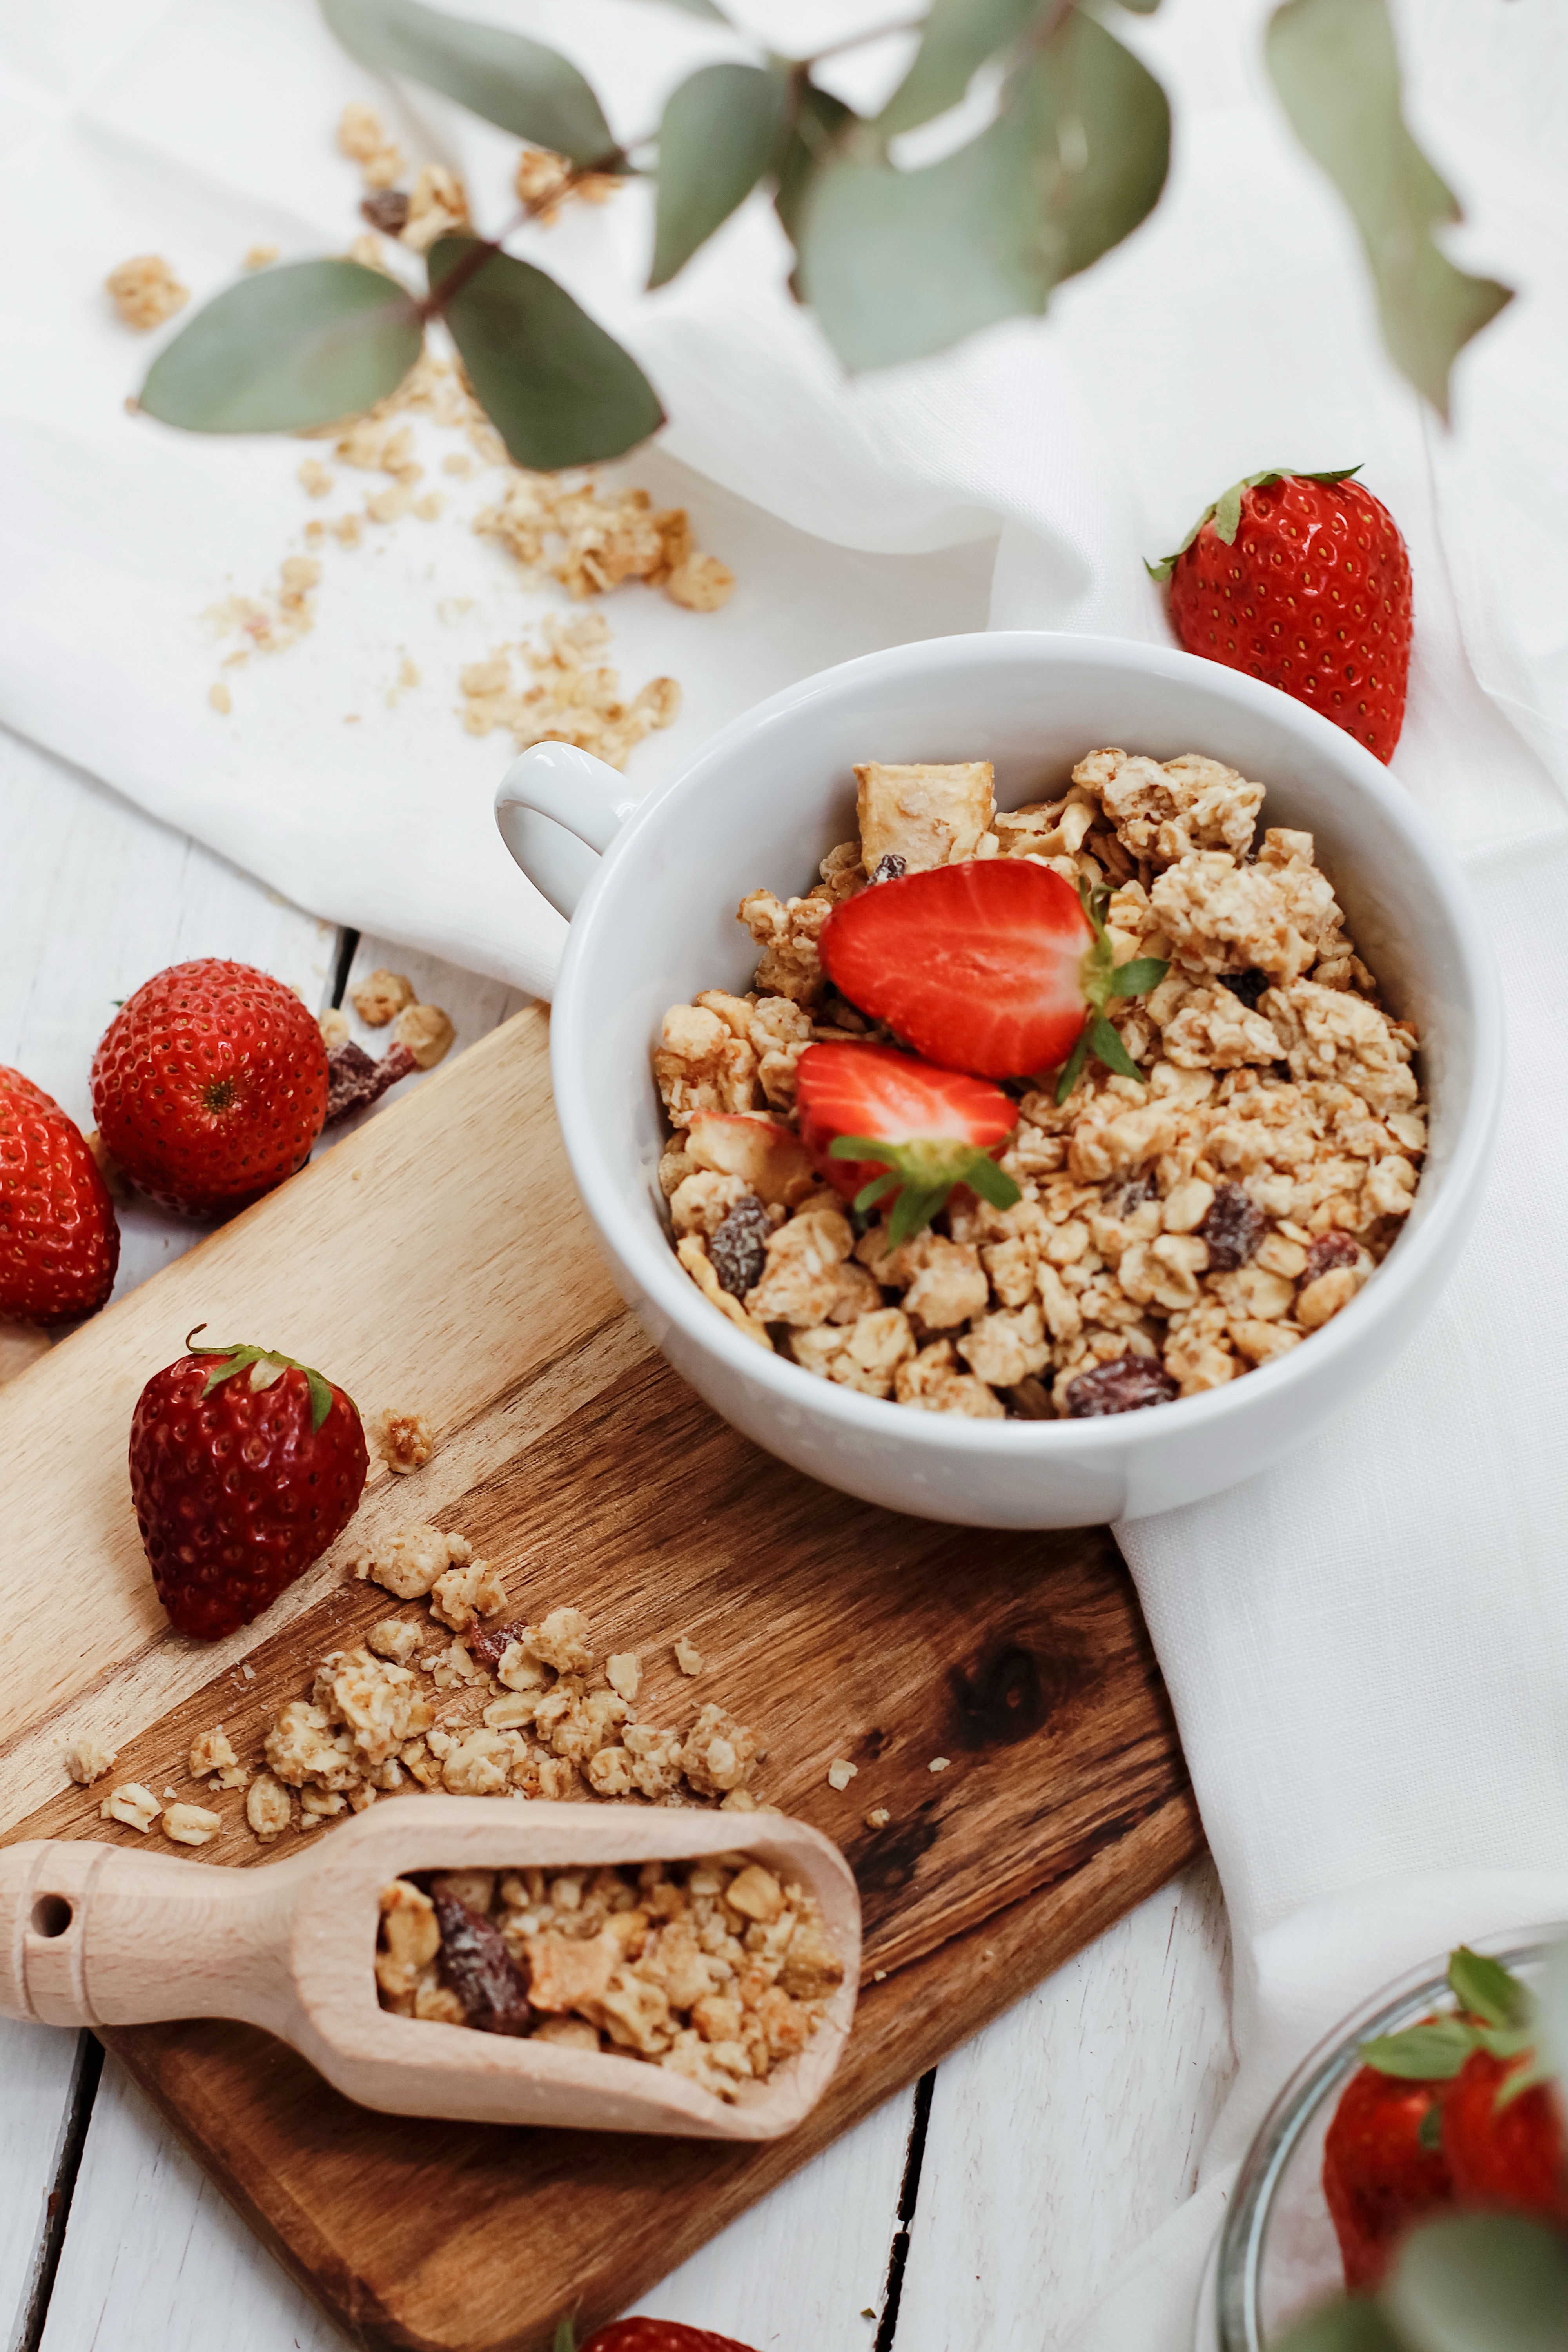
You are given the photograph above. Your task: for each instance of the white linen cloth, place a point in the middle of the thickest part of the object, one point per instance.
(1367, 1648)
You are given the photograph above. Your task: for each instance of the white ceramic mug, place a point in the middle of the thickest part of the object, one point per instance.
(651, 892)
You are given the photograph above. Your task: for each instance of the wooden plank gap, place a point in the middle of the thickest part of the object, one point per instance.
(909, 2198)
(85, 2079)
(348, 947)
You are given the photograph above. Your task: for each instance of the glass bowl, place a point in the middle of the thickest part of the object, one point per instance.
(1276, 2256)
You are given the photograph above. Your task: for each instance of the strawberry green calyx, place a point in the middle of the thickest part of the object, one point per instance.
(1103, 979)
(1499, 2016)
(1226, 512)
(923, 1174)
(265, 1365)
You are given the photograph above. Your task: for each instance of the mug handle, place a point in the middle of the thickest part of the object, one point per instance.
(556, 815)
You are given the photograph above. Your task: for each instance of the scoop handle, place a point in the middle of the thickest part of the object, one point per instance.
(93, 1934)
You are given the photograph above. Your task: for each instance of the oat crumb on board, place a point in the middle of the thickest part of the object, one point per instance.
(688, 1656)
(405, 1440)
(939, 1763)
(841, 1772)
(878, 1818)
(87, 1759)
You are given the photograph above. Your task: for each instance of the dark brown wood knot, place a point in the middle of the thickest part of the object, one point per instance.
(1007, 1695)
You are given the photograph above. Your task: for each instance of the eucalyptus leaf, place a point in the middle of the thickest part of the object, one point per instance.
(717, 139)
(1481, 2283)
(531, 90)
(956, 39)
(1334, 64)
(301, 345)
(558, 389)
(898, 265)
(810, 143)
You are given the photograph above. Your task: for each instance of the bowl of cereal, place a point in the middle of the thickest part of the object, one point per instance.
(1113, 1278)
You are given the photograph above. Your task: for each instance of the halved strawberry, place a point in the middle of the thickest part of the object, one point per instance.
(997, 966)
(879, 1123)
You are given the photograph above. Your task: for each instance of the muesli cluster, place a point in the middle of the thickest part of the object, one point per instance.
(713, 1969)
(1169, 1229)
(456, 1696)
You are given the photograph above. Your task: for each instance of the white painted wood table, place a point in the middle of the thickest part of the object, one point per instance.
(989, 2206)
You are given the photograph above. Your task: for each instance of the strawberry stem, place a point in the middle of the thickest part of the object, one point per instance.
(265, 1366)
(1103, 978)
(1226, 512)
(923, 1175)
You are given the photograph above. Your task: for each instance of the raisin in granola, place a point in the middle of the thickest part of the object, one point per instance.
(1125, 1385)
(889, 866)
(738, 1250)
(1248, 985)
(1329, 1251)
(1233, 1229)
(387, 210)
(488, 1644)
(478, 1968)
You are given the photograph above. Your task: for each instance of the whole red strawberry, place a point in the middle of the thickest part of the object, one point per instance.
(210, 1086)
(1506, 2150)
(1382, 2170)
(60, 1239)
(657, 2335)
(1302, 580)
(244, 1465)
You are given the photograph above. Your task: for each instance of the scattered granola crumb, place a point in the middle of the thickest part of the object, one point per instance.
(841, 1772)
(334, 1028)
(406, 1439)
(878, 1818)
(347, 529)
(428, 508)
(87, 1759)
(315, 478)
(133, 1805)
(220, 698)
(261, 256)
(191, 1824)
(575, 697)
(363, 139)
(354, 1078)
(939, 1763)
(437, 204)
(623, 1672)
(382, 997)
(272, 622)
(426, 1033)
(459, 462)
(267, 1807)
(688, 1656)
(591, 540)
(408, 674)
(544, 182)
(213, 1757)
(249, 1673)
(878, 1976)
(146, 292)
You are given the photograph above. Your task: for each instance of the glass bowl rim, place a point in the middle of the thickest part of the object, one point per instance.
(1245, 2229)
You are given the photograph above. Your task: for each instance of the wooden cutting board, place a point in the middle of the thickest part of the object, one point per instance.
(439, 1260)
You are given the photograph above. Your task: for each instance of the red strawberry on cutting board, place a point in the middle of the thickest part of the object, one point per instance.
(1302, 580)
(210, 1086)
(245, 1466)
(60, 1239)
(996, 966)
(650, 2335)
(881, 1124)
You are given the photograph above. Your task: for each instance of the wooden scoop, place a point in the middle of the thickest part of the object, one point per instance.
(94, 1935)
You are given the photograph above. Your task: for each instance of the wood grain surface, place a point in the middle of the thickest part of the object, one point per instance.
(439, 1259)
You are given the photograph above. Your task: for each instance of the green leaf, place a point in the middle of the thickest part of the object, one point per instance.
(1481, 2283)
(820, 121)
(957, 38)
(299, 344)
(1488, 1989)
(913, 1210)
(1134, 979)
(1430, 2130)
(717, 139)
(1106, 1046)
(560, 391)
(898, 265)
(1422, 2053)
(880, 1187)
(1071, 1068)
(564, 2338)
(1347, 2325)
(993, 1183)
(527, 89)
(1334, 64)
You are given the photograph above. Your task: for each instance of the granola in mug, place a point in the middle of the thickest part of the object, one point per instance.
(1204, 1179)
